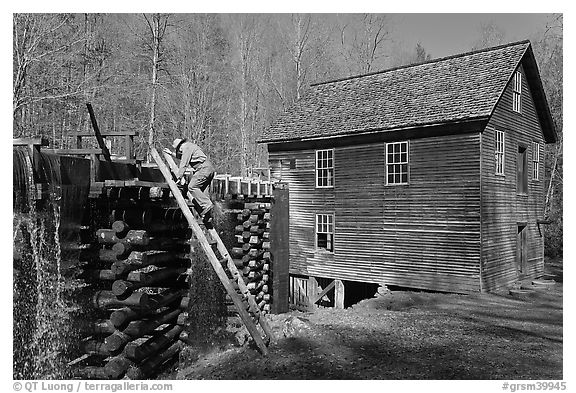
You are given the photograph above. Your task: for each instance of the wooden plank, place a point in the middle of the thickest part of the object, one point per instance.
(73, 152)
(30, 141)
(107, 133)
(131, 161)
(114, 183)
(210, 253)
(142, 183)
(309, 302)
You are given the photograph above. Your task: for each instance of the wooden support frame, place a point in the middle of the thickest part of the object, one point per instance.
(314, 292)
(328, 288)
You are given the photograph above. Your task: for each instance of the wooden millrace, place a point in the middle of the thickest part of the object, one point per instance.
(244, 302)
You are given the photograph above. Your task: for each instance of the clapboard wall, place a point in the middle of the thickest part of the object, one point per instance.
(423, 235)
(503, 208)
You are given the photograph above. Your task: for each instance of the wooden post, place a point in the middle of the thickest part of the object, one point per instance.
(279, 248)
(99, 137)
(339, 294)
(129, 142)
(93, 168)
(312, 291)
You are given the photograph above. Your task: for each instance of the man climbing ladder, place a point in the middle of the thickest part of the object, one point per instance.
(224, 266)
(202, 173)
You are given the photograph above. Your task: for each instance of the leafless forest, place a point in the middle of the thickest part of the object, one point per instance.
(221, 79)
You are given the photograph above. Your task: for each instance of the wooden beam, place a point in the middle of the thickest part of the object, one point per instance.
(97, 133)
(30, 141)
(143, 183)
(73, 152)
(114, 183)
(125, 160)
(328, 288)
(107, 133)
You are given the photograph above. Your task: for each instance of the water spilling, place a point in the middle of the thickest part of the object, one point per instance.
(44, 307)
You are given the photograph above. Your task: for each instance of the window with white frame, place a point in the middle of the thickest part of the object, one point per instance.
(499, 151)
(535, 161)
(325, 168)
(517, 92)
(397, 163)
(325, 232)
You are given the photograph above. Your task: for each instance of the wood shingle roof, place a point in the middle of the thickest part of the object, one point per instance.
(456, 88)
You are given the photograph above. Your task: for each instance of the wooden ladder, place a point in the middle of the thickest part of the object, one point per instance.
(232, 280)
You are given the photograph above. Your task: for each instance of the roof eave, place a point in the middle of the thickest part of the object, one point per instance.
(378, 130)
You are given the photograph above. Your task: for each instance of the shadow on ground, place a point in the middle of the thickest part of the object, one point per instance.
(408, 335)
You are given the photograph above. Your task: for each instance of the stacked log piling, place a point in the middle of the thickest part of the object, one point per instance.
(251, 251)
(137, 270)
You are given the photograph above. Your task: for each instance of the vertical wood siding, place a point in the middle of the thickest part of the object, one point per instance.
(422, 235)
(502, 208)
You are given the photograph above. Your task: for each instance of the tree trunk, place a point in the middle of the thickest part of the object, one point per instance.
(550, 192)
(156, 41)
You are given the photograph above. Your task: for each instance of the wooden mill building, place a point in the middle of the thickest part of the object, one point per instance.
(426, 176)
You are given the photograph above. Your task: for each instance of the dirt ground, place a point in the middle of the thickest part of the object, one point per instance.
(407, 335)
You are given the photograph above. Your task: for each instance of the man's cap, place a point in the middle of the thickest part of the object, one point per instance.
(176, 142)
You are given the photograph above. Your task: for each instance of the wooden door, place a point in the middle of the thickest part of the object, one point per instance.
(521, 250)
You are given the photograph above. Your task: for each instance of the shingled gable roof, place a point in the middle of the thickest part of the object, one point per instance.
(456, 88)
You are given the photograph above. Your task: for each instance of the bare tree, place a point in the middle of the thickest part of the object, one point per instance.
(362, 39)
(489, 34)
(157, 25)
(549, 51)
(246, 36)
(37, 39)
(305, 40)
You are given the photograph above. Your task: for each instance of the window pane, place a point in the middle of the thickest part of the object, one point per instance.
(390, 179)
(322, 240)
